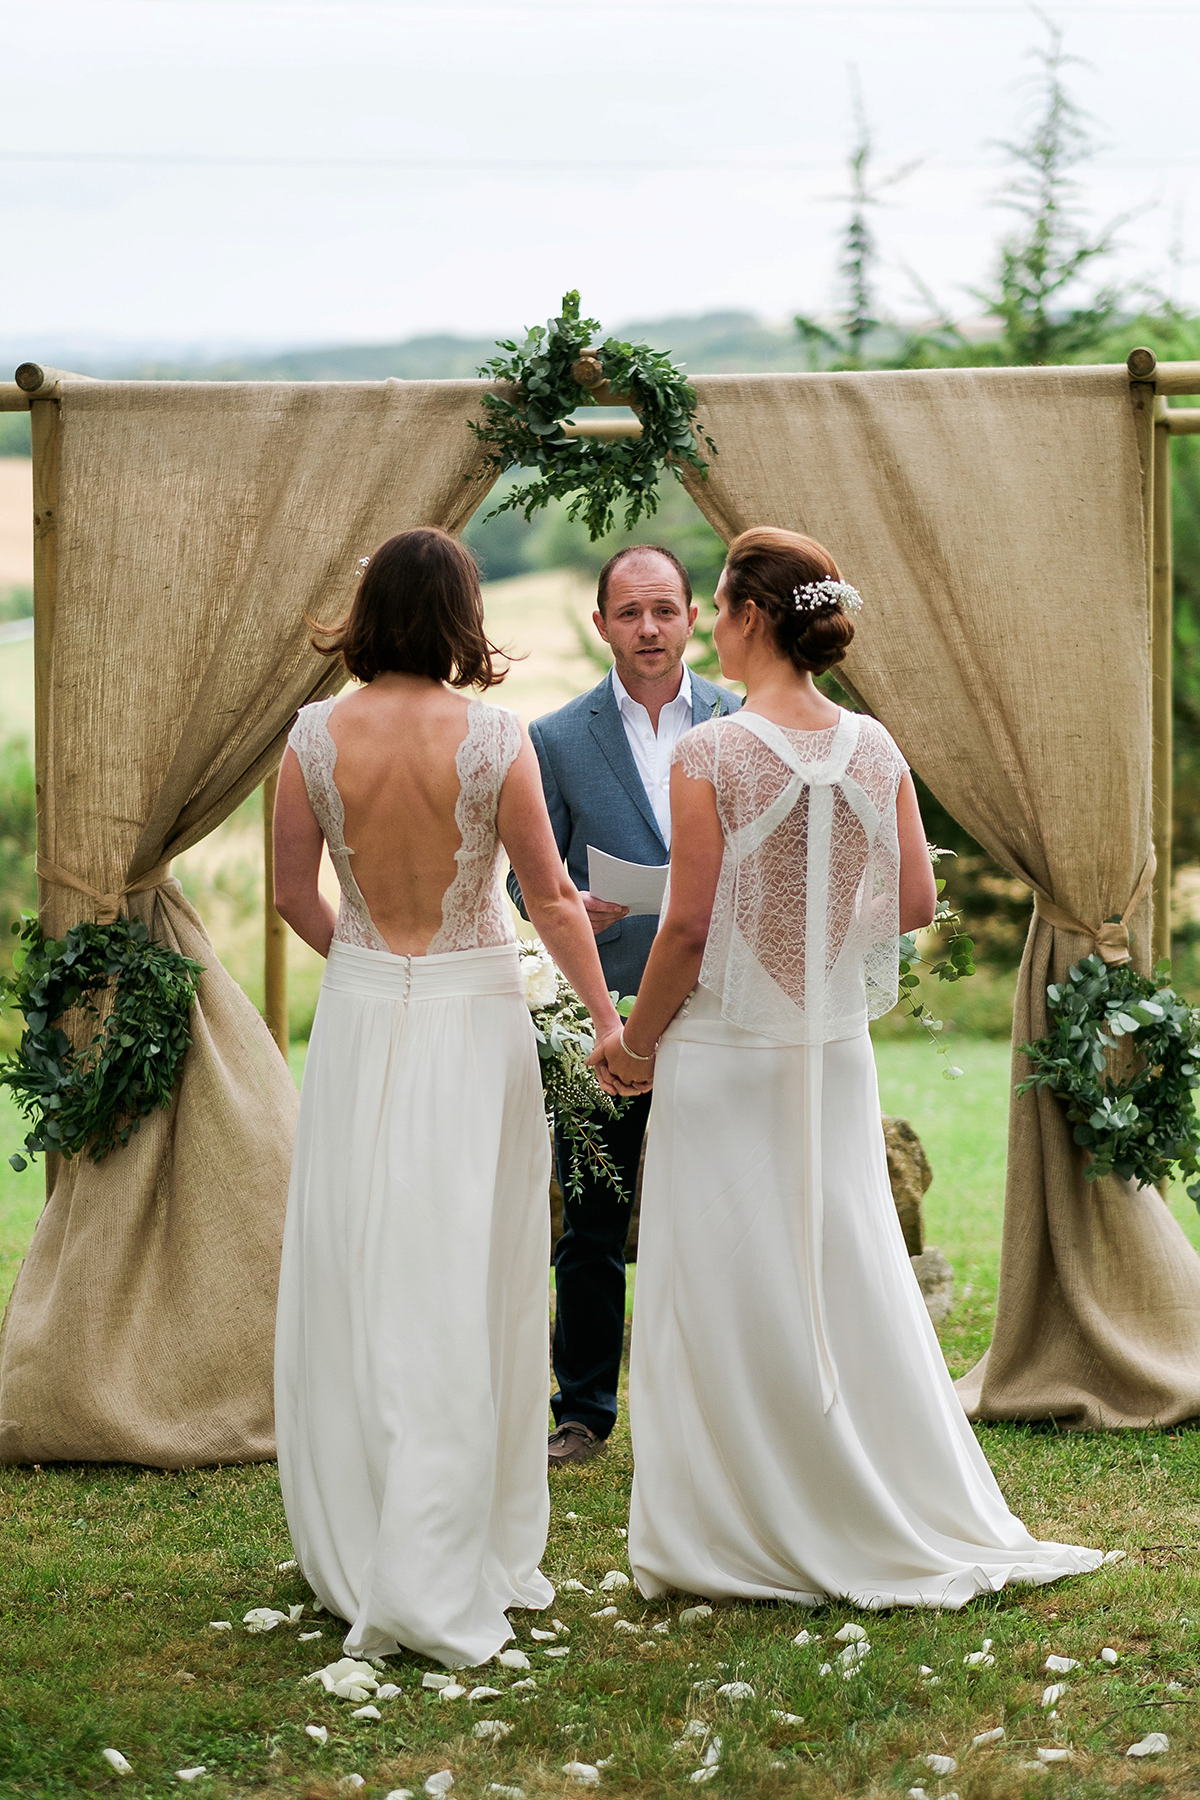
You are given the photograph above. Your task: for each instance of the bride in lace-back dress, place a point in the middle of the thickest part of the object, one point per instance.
(411, 1346)
(796, 1434)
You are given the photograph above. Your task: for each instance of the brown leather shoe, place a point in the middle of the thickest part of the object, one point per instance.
(573, 1442)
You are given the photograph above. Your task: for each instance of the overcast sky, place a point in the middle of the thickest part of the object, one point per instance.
(315, 171)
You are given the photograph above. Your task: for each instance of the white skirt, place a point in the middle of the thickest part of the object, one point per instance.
(796, 1434)
(411, 1371)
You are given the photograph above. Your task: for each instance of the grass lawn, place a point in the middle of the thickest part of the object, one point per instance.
(110, 1577)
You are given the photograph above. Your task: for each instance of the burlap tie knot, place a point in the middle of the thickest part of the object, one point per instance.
(108, 906)
(1111, 939)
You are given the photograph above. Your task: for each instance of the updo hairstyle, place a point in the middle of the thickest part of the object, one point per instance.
(765, 564)
(419, 611)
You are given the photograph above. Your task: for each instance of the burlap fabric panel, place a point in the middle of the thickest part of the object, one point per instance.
(198, 523)
(992, 520)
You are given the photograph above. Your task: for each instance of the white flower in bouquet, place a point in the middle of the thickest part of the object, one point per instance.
(540, 978)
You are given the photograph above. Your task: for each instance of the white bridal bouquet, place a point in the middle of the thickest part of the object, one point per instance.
(565, 1040)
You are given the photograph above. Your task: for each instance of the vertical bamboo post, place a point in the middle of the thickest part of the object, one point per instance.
(44, 422)
(1161, 636)
(1141, 364)
(275, 1000)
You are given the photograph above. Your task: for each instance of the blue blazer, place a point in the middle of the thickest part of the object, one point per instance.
(595, 795)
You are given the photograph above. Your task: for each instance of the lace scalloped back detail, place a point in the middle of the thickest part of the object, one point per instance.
(474, 915)
(803, 945)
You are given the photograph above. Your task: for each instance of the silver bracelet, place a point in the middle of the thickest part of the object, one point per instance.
(633, 1053)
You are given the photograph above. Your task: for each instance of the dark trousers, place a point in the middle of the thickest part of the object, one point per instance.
(589, 1278)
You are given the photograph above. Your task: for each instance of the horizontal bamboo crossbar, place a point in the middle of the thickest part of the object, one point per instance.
(1182, 421)
(605, 429)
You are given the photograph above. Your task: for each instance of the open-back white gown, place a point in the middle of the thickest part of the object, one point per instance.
(796, 1434)
(411, 1367)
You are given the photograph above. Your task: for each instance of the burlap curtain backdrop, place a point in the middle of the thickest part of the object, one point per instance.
(197, 525)
(992, 520)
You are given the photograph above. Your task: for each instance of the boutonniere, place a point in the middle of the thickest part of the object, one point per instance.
(716, 710)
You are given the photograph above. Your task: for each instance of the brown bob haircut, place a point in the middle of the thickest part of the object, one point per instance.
(764, 564)
(418, 611)
(606, 573)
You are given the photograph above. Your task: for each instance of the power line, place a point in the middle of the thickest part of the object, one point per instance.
(507, 165)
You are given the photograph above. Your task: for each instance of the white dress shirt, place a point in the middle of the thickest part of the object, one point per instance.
(652, 750)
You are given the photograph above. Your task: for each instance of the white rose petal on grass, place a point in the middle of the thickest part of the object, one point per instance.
(662, 1628)
(1054, 1755)
(1153, 1744)
(1060, 1665)
(692, 1615)
(825, 1669)
(699, 1776)
(399, 1794)
(1053, 1694)
(788, 1718)
(320, 1733)
(804, 1637)
(559, 1626)
(613, 1581)
(117, 1762)
(938, 1764)
(849, 1634)
(264, 1618)
(693, 1730)
(854, 1653)
(560, 1652)
(389, 1691)
(191, 1774)
(366, 1712)
(526, 1686)
(439, 1783)
(712, 1753)
(583, 1774)
(306, 1637)
(220, 1625)
(433, 1678)
(451, 1691)
(573, 1587)
(285, 1568)
(1114, 1556)
(542, 1637)
(606, 1612)
(484, 1693)
(513, 1659)
(1108, 1656)
(492, 1730)
(344, 1676)
(979, 1659)
(987, 1737)
(506, 1793)
(625, 1625)
(917, 1794)
(735, 1690)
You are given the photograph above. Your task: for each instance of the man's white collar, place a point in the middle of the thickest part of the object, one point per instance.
(622, 694)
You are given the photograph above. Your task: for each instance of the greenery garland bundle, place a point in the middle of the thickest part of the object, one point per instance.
(597, 474)
(957, 964)
(92, 1098)
(1140, 1121)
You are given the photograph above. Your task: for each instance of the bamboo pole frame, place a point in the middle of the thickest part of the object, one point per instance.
(275, 985)
(1162, 624)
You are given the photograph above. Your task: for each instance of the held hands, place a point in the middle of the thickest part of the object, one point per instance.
(602, 913)
(617, 1071)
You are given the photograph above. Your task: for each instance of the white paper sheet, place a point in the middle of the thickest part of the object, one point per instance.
(639, 886)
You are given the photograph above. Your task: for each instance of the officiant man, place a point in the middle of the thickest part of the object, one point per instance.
(606, 768)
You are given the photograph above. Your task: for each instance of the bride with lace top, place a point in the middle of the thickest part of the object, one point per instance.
(411, 1347)
(796, 1434)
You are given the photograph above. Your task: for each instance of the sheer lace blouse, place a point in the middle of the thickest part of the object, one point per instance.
(474, 914)
(803, 941)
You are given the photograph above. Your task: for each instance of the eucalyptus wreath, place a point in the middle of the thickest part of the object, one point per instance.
(1132, 1111)
(596, 475)
(94, 1097)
